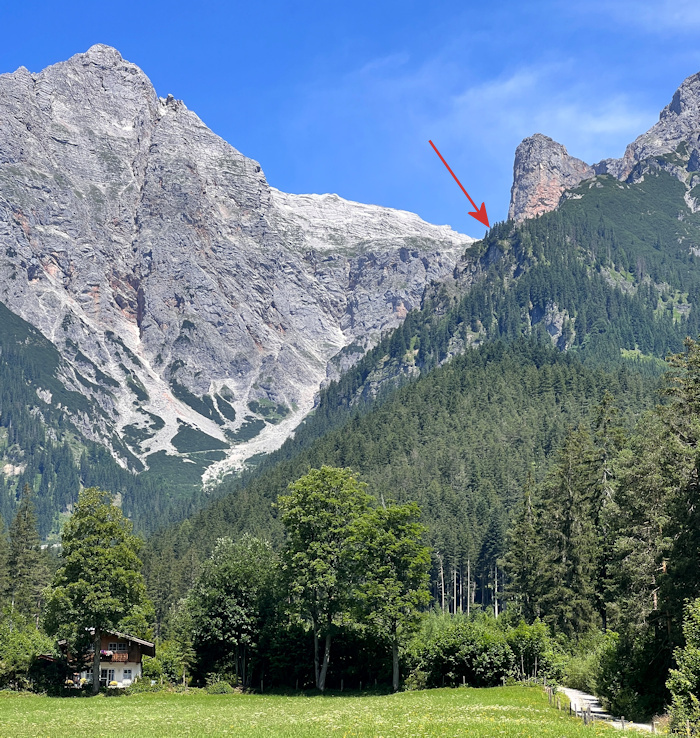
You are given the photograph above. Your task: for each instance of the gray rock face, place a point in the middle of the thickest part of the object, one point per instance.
(170, 274)
(543, 170)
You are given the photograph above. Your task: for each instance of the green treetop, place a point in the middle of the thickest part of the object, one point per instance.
(231, 601)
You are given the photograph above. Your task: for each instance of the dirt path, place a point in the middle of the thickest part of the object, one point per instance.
(581, 700)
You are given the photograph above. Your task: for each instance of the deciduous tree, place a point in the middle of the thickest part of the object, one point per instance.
(231, 601)
(319, 514)
(393, 571)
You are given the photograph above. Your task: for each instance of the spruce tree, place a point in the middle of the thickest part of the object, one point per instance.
(682, 419)
(524, 559)
(570, 538)
(27, 564)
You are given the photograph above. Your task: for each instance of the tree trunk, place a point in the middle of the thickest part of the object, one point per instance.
(246, 675)
(495, 590)
(395, 656)
(96, 663)
(442, 584)
(326, 659)
(469, 586)
(317, 675)
(454, 588)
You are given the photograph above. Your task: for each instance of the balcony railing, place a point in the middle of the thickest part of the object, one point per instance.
(114, 656)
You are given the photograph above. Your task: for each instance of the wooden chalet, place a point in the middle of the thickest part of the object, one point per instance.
(121, 658)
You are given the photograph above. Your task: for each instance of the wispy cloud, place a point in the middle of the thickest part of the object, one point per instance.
(680, 17)
(544, 99)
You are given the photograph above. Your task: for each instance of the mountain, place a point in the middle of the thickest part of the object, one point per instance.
(196, 308)
(543, 169)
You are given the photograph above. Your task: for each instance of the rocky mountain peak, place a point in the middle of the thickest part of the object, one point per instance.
(543, 170)
(198, 309)
(101, 55)
(685, 101)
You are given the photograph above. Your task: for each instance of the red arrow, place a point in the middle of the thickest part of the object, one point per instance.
(479, 213)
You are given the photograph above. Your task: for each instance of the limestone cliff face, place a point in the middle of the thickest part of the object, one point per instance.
(178, 285)
(543, 170)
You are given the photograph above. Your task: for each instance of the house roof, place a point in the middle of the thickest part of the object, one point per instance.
(129, 638)
(148, 648)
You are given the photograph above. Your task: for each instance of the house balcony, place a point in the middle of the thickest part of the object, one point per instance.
(114, 656)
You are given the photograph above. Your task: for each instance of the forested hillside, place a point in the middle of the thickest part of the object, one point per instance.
(461, 441)
(544, 350)
(611, 276)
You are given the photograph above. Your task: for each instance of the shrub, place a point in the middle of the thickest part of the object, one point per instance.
(152, 668)
(417, 679)
(536, 653)
(628, 674)
(144, 685)
(474, 651)
(582, 665)
(220, 688)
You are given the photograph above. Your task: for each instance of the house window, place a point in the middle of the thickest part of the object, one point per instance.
(118, 647)
(107, 675)
(127, 674)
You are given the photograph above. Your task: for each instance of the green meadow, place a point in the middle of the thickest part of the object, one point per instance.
(503, 711)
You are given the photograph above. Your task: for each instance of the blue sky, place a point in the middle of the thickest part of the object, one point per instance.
(343, 97)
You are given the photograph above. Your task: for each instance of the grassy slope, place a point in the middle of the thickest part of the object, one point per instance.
(509, 711)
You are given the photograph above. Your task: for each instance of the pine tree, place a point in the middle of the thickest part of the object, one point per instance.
(523, 561)
(27, 564)
(570, 538)
(682, 419)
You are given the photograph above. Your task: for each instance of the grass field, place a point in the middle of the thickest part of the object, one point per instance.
(504, 711)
